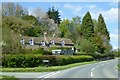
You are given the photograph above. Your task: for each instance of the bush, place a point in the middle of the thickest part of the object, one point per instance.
(80, 53)
(41, 51)
(35, 60)
(116, 53)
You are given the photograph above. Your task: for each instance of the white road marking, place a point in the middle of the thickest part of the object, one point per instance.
(92, 74)
(48, 75)
(93, 69)
(52, 74)
(102, 63)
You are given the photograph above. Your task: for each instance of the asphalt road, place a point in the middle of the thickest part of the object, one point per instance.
(104, 69)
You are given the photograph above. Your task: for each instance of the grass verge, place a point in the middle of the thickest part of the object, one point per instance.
(45, 69)
(2, 77)
(118, 67)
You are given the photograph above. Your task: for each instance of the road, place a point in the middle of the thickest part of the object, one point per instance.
(104, 69)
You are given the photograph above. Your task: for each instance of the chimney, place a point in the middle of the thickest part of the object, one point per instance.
(45, 34)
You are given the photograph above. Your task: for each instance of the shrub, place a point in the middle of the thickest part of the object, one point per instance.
(41, 51)
(35, 60)
(80, 53)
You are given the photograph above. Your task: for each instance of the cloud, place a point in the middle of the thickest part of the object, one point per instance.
(111, 14)
(114, 39)
(114, 36)
(75, 8)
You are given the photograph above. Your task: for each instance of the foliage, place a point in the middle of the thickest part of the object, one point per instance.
(91, 35)
(46, 69)
(116, 53)
(70, 28)
(54, 14)
(101, 27)
(16, 24)
(12, 28)
(34, 60)
(101, 36)
(11, 42)
(80, 53)
(3, 77)
(64, 25)
(86, 46)
(12, 9)
(41, 52)
(87, 27)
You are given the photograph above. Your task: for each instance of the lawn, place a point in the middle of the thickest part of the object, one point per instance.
(119, 67)
(45, 69)
(3, 77)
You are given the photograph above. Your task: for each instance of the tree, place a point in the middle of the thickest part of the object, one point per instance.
(70, 28)
(11, 41)
(47, 25)
(64, 27)
(87, 27)
(54, 14)
(74, 28)
(101, 36)
(16, 24)
(86, 46)
(11, 9)
(101, 27)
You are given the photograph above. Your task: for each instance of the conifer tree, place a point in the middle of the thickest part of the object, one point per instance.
(101, 37)
(101, 27)
(87, 27)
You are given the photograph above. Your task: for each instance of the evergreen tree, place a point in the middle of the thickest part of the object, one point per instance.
(101, 37)
(87, 27)
(54, 14)
(101, 27)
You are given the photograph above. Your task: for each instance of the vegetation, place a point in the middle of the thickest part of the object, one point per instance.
(8, 77)
(35, 60)
(91, 36)
(54, 14)
(45, 69)
(87, 27)
(118, 67)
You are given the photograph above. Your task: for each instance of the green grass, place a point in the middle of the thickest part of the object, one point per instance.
(45, 69)
(3, 77)
(119, 67)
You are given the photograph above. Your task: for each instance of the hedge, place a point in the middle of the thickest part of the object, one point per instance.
(35, 60)
(98, 56)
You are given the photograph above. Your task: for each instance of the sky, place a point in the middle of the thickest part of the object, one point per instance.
(109, 10)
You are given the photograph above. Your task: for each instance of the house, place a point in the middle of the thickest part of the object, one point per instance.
(47, 42)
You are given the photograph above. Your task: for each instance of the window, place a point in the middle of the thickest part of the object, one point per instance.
(42, 43)
(31, 42)
(62, 43)
(22, 41)
(52, 42)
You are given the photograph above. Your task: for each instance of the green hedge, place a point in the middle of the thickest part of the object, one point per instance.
(35, 60)
(41, 51)
(98, 56)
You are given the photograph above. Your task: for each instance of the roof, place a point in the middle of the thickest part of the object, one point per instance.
(56, 39)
